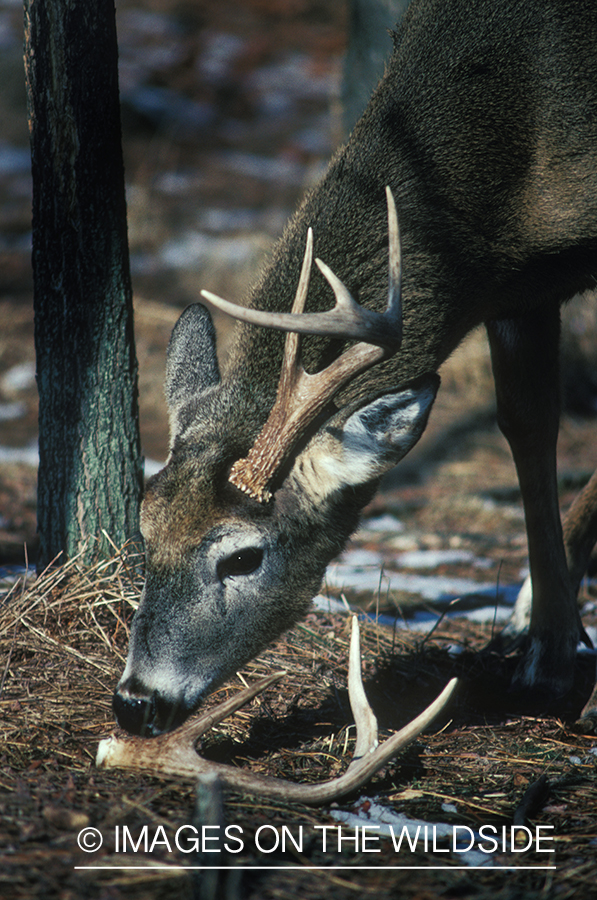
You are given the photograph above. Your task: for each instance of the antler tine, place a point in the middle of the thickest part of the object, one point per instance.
(347, 320)
(278, 321)
(196, 728)
(175, 755)
(364, 717)
(394, 308)
(381, 329)
(301, 397)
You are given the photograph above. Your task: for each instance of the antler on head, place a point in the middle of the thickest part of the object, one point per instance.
(302, 396)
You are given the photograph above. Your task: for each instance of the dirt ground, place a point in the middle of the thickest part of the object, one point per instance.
(63, 638)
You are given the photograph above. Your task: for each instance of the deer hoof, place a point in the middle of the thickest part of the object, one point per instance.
(546, 671)
(587, 724)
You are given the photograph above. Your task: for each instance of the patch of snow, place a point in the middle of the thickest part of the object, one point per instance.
(19, 377)
(344, 576)
(28, 455)
(359, 557)
(152, 467)
(382, 523)
(591, 631)
(265, 168)
(11, 411)
(430, 559)
(14, 160)
(389, 823)
(329, 605)
(175, 183)
(499, 614)
(194, 250)
(219, 53)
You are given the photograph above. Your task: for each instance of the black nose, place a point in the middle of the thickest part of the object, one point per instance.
(144, 714)
(135, 714)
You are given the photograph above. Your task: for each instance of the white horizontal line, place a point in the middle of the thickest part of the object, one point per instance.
(310, 868)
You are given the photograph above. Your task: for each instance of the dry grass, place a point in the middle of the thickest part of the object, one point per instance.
(63, 639)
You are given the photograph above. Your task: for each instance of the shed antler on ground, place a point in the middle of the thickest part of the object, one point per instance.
(174, 754)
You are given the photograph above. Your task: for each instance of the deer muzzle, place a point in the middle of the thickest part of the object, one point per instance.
(146, 713)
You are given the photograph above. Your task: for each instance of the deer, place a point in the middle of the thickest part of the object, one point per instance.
(481, 142)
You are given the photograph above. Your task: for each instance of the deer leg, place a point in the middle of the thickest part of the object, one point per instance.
(580, 536)
(525, 360)
(580, 531)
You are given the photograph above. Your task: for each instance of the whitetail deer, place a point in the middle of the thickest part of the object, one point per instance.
(484, 127)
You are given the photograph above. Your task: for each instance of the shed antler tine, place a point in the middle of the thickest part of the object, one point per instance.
(364, 717)
(174, 754)
(193, 729)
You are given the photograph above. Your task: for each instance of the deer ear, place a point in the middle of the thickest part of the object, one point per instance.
(371, 441)
(191, 361)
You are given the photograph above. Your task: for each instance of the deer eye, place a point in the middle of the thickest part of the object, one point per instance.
(241, 562)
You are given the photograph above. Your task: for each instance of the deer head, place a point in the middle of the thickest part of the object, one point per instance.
(237, 542)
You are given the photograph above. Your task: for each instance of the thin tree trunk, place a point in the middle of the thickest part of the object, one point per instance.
(90, 464)
(369, 48)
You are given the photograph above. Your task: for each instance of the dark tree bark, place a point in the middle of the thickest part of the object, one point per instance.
(90, 463)
(369, 47)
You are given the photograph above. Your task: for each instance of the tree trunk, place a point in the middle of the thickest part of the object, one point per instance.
(369, 48)
(90, 471)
